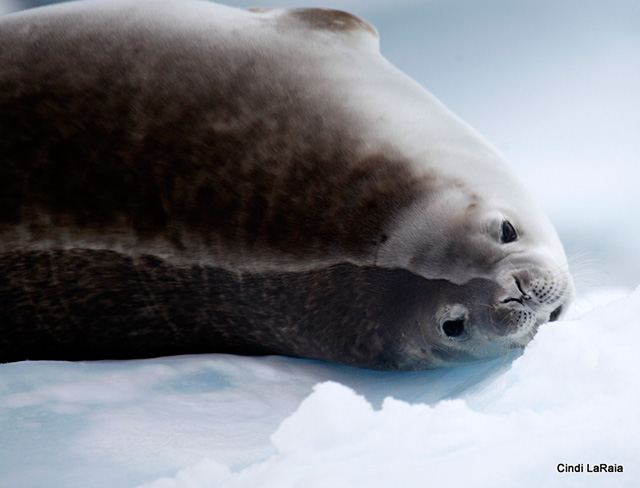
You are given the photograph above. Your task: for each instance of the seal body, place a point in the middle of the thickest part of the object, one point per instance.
(181, 177)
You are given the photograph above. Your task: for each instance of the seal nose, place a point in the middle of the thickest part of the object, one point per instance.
(555, 314)
(524, 296)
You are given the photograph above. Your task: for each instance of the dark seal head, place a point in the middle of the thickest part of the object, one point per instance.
(182, 177)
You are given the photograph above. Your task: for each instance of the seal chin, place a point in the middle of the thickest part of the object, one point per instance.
(522, 335)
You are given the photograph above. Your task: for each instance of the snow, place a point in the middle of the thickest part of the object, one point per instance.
(554, 87)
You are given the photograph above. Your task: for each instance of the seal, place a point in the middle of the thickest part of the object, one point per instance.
(184, 177)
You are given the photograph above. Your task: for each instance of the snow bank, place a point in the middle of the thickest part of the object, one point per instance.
(571, 399)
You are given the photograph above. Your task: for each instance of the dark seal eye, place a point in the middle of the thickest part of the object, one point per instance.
(508, 233)
(453, 328)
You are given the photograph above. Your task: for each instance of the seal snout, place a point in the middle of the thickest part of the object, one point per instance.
(531, 297)
(537, 289)
(521, 298)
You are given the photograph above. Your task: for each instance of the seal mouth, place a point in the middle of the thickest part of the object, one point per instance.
(526, 331)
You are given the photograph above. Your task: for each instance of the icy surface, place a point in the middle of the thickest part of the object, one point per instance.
(554, 85)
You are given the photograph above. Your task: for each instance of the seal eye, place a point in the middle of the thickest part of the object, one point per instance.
(453, 328)
(508, 233)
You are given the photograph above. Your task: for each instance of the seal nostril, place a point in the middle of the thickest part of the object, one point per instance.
(525, 296)
(555, 314)
(453, 328)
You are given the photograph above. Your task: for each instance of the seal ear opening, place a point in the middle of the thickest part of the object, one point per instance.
(453, 328)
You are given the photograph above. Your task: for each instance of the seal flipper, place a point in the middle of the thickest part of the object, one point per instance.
(326, 20)
(333, 20)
